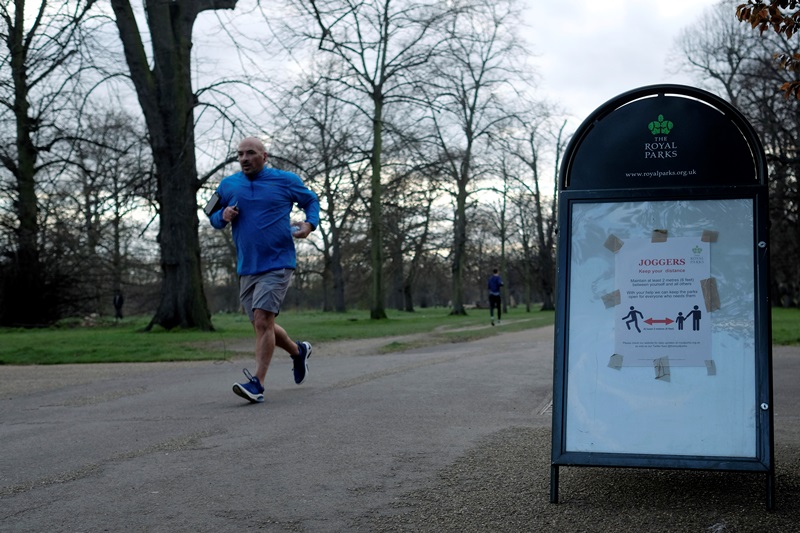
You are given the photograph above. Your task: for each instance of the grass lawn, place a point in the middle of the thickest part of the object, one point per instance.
(109, 342)
(785, 326)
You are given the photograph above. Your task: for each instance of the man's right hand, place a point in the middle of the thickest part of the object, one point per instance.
(230, 213)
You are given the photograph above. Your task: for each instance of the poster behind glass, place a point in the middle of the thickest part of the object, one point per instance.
(661, 329)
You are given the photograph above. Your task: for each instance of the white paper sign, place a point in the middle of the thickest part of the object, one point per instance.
(662, 312)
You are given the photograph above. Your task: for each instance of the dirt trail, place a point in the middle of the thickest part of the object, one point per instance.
(373, 346)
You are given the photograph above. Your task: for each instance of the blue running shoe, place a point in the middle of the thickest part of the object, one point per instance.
(252, 391)
(300, 367)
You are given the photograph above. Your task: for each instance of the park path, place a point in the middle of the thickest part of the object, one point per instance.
(168, 446)
(453, 437)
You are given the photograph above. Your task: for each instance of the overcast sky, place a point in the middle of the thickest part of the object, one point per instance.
(586, 51)
(590, 51)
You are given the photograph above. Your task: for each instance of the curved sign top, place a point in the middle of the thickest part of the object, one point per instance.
(663, 136)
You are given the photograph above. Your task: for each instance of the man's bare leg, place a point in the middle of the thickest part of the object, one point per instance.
(283, 340)
(268, 335)
(264, 326)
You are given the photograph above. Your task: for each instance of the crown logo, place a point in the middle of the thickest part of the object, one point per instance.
(660, 126)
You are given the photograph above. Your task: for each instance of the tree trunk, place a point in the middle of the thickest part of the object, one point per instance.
(546, 280)
(327, 283)
(24, 286)
(167, 100)
(459, 249)
(408, 297)
(183, 301)
(398, 279)
(503, 238)
(32, 308)
(336, 271)
(339, 304)
(413, 267)
(377, 310)
(116, 228)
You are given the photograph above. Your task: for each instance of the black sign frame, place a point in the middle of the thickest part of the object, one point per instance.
(727, 167)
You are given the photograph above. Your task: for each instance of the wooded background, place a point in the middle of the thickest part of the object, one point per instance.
(417, 123)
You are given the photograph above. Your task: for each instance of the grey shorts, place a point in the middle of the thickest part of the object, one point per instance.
(264, 291)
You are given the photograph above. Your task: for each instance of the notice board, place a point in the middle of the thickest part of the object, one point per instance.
(662, 348)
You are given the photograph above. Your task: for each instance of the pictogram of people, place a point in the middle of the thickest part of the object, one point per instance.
(680, 320)
(633, 317)
(695, 313)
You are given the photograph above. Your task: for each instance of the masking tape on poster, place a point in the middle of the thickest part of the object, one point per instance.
(710, 294)
(659, 235)
(615, 361)
(613, 243)
(612, 299)
(661, 366)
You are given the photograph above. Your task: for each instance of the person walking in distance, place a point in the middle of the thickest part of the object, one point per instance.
(495, 282)
(119, 300)
(257, 203)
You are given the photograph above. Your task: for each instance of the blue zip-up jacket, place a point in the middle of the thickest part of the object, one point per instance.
(261, 229)
(495, 282)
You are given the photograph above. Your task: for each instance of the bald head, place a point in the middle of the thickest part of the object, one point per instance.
(252, 155)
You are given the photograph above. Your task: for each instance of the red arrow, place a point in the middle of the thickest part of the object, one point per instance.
(652, 321)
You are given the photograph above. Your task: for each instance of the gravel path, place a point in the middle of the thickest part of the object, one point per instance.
(503, 486)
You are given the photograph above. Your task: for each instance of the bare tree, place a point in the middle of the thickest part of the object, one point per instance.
(219, 269)
(323, 136)
(503, 189)
(542, 202)
(382, 44)
(465, 92)
(409, 222)
(754, 84)
(721, 48)
(526, 252)
(164, 90)
(40, 66)
(107, 179)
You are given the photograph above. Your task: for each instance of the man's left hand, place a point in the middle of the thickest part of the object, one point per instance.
(305, 230)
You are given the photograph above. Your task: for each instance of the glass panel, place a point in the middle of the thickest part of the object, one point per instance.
(664, 395)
